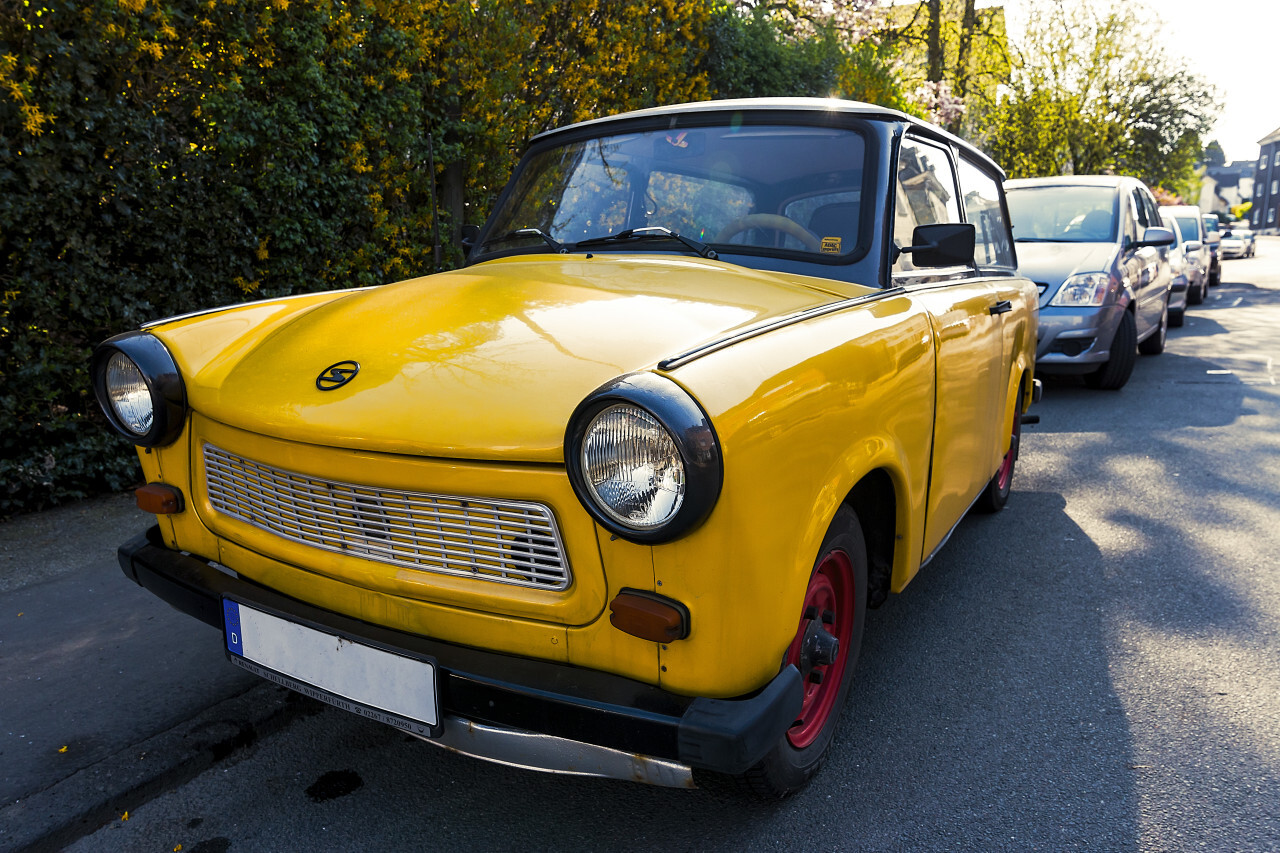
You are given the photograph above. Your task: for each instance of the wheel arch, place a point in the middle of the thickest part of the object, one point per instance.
(874, 500)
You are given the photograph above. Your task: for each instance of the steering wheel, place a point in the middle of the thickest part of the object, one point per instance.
(771, 221)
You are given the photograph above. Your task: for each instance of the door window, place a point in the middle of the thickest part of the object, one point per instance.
(925, 193)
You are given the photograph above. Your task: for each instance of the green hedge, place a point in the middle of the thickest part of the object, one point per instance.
(161, 156)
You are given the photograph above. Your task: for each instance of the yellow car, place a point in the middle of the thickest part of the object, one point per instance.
(614, 498)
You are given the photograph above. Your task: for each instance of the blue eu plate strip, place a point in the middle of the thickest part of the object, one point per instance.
(231, 615)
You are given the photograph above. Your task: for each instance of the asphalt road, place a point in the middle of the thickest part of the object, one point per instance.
(1095, 668)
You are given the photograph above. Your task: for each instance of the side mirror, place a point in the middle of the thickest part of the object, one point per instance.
(1193, 246)
(468, 235)
(945, 244)
(1154, 236)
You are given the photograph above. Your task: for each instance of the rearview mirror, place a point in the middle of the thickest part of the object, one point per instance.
(945, 244)
(1154, 236)
(468, 235)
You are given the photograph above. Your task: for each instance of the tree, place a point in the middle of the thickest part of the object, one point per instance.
(952, 55)
(1213, 155)
(1093, 91)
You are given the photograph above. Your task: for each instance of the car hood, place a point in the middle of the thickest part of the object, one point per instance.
(487, 362)
(1053, 263)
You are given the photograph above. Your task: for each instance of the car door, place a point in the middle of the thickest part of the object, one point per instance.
(1150, 278)
(967, 343)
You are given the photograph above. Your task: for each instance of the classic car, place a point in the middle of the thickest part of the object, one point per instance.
(1097, 249)
(613, 498)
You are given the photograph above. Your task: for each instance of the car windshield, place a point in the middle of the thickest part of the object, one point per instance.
(1062, 214)
(752, 189)
(1189, 226)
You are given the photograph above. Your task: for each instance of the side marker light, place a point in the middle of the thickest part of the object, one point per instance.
(649, 616)
(159, 499)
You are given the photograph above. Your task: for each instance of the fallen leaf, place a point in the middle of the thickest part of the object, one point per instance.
(176, 849)
(64, 749)
(124, 816)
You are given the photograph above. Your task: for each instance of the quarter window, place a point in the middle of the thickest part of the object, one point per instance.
(1277, 158)
(981, 195)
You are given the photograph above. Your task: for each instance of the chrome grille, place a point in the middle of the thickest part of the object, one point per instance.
(509, 542)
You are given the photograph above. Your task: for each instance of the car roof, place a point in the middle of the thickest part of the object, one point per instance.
(1115, 181)
(782, 106)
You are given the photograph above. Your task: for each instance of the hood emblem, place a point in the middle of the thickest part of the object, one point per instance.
(337, 375)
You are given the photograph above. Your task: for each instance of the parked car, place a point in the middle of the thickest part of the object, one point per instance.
(1242, 229)
(1195, 250)
(1213, 235)
(612, 499)
(1181, 269)
(1097, 249)
(1237, 241)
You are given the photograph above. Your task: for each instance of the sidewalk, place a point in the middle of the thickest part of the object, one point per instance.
(108, 697)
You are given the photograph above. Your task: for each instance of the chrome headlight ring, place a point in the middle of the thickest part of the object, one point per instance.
(643, 458)
(139, 388)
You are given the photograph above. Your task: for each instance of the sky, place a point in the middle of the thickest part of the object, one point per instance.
(1216, 37)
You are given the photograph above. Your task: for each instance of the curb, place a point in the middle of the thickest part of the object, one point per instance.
(51, 819)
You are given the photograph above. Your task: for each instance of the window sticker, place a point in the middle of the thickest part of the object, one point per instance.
(831, 245)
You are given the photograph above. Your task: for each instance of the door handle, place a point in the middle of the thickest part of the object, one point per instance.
(1004, 306)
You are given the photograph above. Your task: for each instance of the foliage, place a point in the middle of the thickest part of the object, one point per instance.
(158, 156)
(1092, 91)
(952, 58)
(1213, 155)
(757, 53)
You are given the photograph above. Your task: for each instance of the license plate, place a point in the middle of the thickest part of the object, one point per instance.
(372, 682)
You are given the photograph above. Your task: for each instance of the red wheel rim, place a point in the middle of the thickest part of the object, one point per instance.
(830, 591)
(1006, 467)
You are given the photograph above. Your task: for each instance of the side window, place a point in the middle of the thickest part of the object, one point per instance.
(925, 193)
(1153, 210)
(1140, 211)
(981, 193)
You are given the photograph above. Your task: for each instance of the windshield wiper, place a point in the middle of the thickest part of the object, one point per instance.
(530, 232)
(650, 232)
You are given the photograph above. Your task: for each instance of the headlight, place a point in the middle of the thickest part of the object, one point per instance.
(1083, 291)
(632, 467)
(128, 394)
(139, 389)
(643, 458)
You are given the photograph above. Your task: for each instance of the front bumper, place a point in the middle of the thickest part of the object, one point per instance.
(518, 711)
(1075, 340)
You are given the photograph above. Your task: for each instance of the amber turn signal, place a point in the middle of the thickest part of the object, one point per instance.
(649, 616)
(159, 499)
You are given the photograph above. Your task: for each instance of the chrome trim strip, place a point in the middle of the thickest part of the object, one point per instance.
(511, 542)
(781, 322)
(550, 754)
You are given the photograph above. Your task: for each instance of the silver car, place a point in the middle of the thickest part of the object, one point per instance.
(1182, 268)
(1195, 249)
(1098, 250)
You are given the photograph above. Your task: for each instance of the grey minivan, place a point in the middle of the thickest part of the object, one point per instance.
(1098, 251)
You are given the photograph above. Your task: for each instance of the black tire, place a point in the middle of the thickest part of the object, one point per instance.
(1215, 275)
(1176, 317)
(996, 494)
(1154, 344)
(1113, 374)
(1196, 295)
(788, 767)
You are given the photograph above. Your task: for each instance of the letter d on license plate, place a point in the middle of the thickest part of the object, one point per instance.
(373, 682)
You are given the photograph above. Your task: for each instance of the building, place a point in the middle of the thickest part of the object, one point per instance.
(1265, 215)
(1227, 186)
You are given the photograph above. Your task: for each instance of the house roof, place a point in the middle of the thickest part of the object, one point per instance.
(1273, 136)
